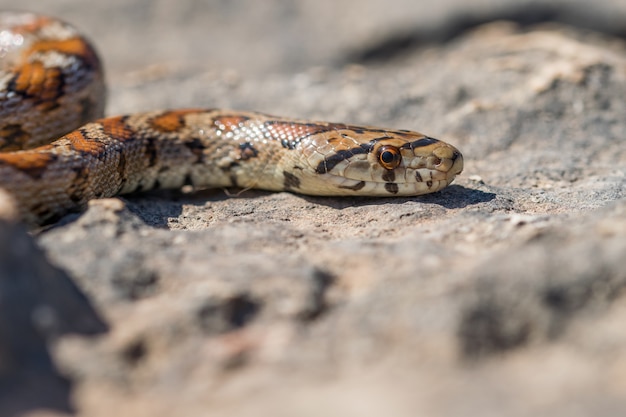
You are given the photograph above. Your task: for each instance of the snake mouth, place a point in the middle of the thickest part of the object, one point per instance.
(457, 164)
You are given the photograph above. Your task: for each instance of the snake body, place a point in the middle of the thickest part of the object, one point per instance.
(51, 82)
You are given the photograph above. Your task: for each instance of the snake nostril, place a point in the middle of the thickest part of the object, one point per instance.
(436, 161)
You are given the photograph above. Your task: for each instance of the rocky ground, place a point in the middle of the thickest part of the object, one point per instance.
(500, 295)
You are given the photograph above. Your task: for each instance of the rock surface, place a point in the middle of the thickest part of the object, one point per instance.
(502, 294)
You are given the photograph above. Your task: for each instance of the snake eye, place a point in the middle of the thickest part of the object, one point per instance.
(389, 157)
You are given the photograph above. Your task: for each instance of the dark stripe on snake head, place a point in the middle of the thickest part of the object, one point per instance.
(329, 163)
(392, 187)
(420, 143)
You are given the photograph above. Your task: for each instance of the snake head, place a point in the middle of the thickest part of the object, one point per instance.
(375, 162)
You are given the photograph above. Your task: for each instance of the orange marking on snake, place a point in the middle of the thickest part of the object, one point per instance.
(33, 164)
(30, 78)
(116, 128)
(72, 46)
(35, 80)
(171, 121)
(83, 145)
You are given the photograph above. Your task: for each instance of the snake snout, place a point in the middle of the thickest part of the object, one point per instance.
(457, 163)
(447, 160)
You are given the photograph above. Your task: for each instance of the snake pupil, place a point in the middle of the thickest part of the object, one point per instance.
(389, 157)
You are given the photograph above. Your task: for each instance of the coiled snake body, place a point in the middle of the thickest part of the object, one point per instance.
(51, 83)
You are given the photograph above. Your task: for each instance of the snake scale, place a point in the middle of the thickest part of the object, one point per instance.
(52, 86)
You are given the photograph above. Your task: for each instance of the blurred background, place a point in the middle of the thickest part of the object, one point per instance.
(280, 36)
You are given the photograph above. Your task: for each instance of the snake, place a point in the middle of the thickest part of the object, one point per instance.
(58, 152)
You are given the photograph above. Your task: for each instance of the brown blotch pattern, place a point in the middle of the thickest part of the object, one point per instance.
(389, 175)
(392, 187)
(197, 148)
(116, 128)
(290, 181)
(76, 191)
(13, 137)
(248, 151)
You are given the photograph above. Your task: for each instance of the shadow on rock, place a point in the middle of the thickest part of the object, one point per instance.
(38, 304)
(454, 196)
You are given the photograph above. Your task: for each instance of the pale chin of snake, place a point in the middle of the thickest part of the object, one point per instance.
(52, 86)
